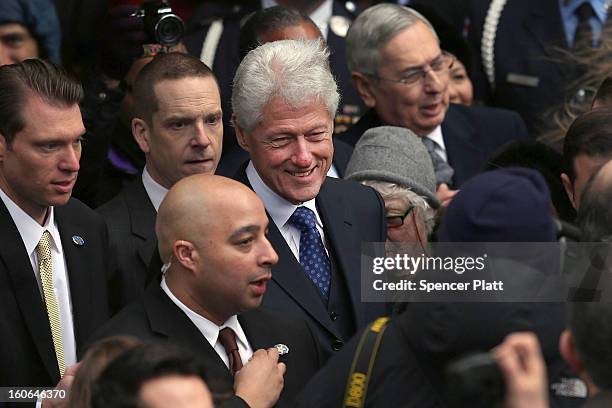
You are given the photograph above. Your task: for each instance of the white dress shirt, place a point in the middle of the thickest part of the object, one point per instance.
(438, 139)
(211, 331)
(320, 15)
(280, 210)
(155, 191)
(31, 232)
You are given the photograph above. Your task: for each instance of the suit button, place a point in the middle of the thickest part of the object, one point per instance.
(337, 345)
(334, 316)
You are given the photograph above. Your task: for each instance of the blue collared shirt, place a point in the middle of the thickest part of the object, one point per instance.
(570, 19)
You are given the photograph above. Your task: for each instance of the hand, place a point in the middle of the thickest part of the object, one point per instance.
(520, 360)
(445, 194)
(260, 381)
(64, 384)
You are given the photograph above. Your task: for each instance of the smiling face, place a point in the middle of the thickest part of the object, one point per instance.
(39, 167)
(185, 134)
(291, 148)
(419, 107)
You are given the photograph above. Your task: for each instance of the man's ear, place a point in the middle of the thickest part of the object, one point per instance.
(140, 132)
(185, 254)
(568, 351)
(569, 188)
(240, 135)
(363, 85)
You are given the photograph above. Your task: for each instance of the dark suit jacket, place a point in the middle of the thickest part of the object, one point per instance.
(131, 224)
(156, 317)
(418, 344)
(471, 136)
(351, 214)
(397, 378)
(27, 353)
(528, 38)
(231, 161)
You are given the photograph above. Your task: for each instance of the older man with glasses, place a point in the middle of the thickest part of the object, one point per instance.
(402, 75)
(394, 162)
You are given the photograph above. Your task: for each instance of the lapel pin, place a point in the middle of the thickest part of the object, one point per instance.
(78, 240)
(282, 349)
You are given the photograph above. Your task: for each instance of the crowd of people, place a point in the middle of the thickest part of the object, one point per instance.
(187, 211)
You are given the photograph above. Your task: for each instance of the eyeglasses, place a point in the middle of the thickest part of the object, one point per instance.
(398, 220)
(441, 66)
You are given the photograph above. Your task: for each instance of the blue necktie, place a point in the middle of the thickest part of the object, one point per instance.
(313, 257)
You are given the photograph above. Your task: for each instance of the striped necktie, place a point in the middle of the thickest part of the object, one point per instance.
(45, 268)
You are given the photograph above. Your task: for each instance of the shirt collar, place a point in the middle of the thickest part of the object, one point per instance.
(569, 6)
(30, 230)
(437, 137)
(280, 209)
(208, 329)
(155, 191)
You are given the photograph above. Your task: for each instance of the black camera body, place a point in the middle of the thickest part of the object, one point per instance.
(161, 24)
(474, 381)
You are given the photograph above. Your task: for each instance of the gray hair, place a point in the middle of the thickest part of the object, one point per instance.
(296, 71)
(373, 29)
(393, 191)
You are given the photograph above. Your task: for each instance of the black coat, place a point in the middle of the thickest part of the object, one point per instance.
(471, 136)
(156, 317)
(27, 353)
(419, 343)
(529, 44)
(351, 214)
(130, 217)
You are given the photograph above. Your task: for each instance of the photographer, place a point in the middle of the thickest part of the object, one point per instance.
(132, 36)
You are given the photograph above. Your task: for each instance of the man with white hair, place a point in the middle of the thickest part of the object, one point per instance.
(402, 75)
(284, 101)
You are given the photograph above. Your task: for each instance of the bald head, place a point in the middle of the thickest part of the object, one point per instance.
(602, 180)
(194, 204)
(213, 229)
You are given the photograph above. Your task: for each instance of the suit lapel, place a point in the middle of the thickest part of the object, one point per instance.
(19, 269)
(292, 279)
(256, 330)
(142, 219)
(289, 275)
(464, 156)
(168, 321)
(338, 223)
(79, 274)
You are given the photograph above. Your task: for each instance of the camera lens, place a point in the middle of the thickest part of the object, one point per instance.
(169, 30)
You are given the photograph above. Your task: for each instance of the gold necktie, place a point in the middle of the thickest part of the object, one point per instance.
(45, 268)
